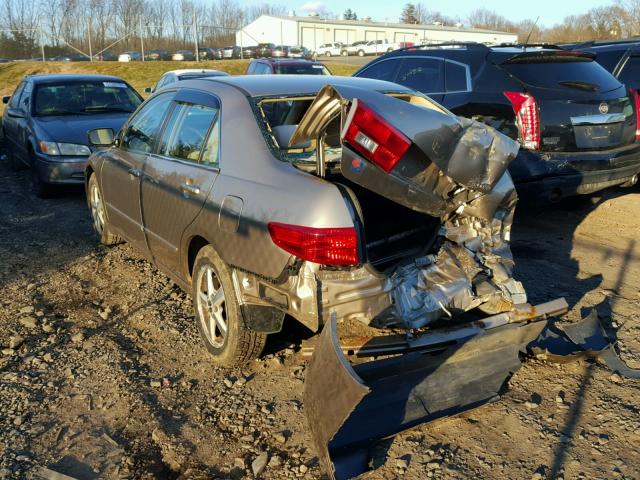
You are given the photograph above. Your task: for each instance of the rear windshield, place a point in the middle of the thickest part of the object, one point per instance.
(301, 70)
(84, 97)
(559, 72)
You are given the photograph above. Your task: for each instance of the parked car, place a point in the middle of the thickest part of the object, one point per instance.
(106, 57)
(620, 57)
(73, 57)
(130, 57)
(265, 49)
(157, 55)
(179, 75)
(376, 47)
(299, 52)
(353, 48)
(578, 126)
(330, 49)
(206, 54)
(230, 52)
(47, 118)
(280, 51)
(183, 56)
(283, 66)
(256, 218)
(250, 52)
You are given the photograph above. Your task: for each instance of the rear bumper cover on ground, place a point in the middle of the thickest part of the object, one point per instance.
(350, 407)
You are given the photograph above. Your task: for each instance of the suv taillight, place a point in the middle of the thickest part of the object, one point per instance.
(326, 246)
(527, 118)
(636, 97)
(373, 137)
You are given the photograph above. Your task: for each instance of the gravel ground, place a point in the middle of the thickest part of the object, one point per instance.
(102, 373)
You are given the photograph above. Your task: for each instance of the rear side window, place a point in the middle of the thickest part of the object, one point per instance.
(143, 129)
(556, 72)
(186, 131)
(385, 70)
(630, 74)
(423, 74)
(456, 77)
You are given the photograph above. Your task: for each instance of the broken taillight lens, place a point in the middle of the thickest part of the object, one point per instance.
(326, 246)
(527, 118)
(636, 97)
(373, 137)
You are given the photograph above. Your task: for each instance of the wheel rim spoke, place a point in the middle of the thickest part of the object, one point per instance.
(211, 307)
(217, 298)
(220, 322)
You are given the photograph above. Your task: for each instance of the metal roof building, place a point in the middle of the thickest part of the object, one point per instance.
(313, 31)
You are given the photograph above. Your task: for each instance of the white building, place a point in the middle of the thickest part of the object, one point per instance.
(313, 31)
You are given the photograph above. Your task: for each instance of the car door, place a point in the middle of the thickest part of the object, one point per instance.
(22, 133)
(179, 176)
(10, 120)
(424, 74)
(122, 170)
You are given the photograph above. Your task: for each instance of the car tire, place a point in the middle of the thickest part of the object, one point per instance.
(98, 214)
(361, 53)
(327, 54)
(344, 53)
(218, 315)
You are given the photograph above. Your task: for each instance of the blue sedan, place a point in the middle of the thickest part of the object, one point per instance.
(47, 118)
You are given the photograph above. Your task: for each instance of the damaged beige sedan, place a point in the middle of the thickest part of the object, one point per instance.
(357, 200)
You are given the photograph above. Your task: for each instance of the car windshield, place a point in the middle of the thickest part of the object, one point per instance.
(302, 70)
(83, 97)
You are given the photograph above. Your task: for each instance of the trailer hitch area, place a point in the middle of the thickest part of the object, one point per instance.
(587, 338)
(423, 378)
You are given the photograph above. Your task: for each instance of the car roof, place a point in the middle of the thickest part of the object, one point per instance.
(61, 77)
(186, 71)
(286, 85)
(287, 61)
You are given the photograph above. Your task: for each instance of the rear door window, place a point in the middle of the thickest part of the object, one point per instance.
(186, 131)
(423, 74)
(456, 77)
(558, 72)
(384, 70)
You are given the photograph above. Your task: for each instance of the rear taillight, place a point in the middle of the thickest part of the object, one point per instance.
(326, 246)
(527, 118)
(636, 97)
(373, 137)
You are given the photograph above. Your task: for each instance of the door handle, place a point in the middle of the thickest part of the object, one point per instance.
(187, 188)
(135, 172)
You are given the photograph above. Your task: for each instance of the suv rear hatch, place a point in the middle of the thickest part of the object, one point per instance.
(578, 106)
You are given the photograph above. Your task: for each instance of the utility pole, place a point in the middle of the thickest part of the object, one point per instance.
(195, 31)
(89, 35)
(141, 37)
(42, 44)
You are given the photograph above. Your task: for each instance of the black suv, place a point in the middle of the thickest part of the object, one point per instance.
(576, 123)
(620, 57)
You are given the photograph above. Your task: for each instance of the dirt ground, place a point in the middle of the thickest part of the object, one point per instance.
(102, 373)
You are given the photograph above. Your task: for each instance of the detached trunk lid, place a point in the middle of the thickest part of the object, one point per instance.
(581, 106)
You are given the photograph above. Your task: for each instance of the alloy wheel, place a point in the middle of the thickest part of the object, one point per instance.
(210, 302)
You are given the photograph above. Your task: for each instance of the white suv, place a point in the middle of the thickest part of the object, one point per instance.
(329, 49)
(376, 47)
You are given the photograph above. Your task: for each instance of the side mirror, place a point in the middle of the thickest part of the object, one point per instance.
(6, 99)
(148, 90)
(15, 113)
(101, 137)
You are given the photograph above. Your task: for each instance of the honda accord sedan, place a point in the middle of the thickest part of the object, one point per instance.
(47, 118)
(311, 196)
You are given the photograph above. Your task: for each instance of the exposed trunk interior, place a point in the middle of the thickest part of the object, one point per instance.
(393, 234)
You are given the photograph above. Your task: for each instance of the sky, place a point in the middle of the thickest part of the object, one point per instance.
(550, 11)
